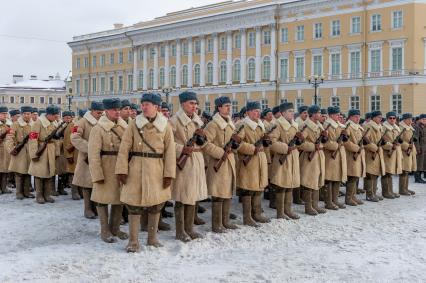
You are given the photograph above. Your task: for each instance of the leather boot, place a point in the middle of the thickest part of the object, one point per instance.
(315, 202)
(153, 219)
(3, 184)
(369, 191)
(350, 191)
(19, 181)
(335, 187)
(297, 198)
(189, 222)
(74, 193)
(217, 226)
(61, 185)
(390, 183)
(180, 222)
(247, 219)
(374, 180)
(49, 187)
(272, 197)
(199, 208)
(88, 212)
(288, 201)
(386, 187)
(256, 202)
(329, 197)
(322, 194)
(407, 181)
(226, 208)
(307, 198)
(144, 220)
(403, 188)
(106, 234)
(134, 223)
(418, 177)
(279, 200)
(355, 199)
(27, 186)
(115, 220)
(163, 226)
(197, 219)
(38, 182)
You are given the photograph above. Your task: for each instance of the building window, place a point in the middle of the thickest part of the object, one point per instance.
(50, 100)
(299, 102)
(185, 75)
(162, 75)
(317, 62)
(376, 22)
(77, 87)
(209, 73)
(207, 106)
(59, 100)
(197, 74)
(86, 86)
(197, 48)
(234, 106)
(140, 79)
(102, 84)
(140, 54)
(210, 45)
(236, 76)
(237, 41)
(355, 102)
(397, 59)
(86, 62)
(397, 19)
(32, 100)
(111, 59)
(356, 25)
(77, 63)
(102, 60)
(41, 100)
(173, 47)
(267, 37)
(223, 43)
(130, 56)
(300, 68)
(375, 61)
(284, 35)
(252, 39)
(151, 53)
(93, 85)
(335, 101)
(335, 64)
(251, 69)
(173, 77)
(264, 104)
(318, 31)
(120, 57)
(375, 103)
(284, 69)
(185, 48)
(129, 82)
(397, 103)
(22, 99)
(120, 83)
(151, 79)
(111, 84)
(300, 33)
(335, 28)
(162, 51)
(355, 61)
(223, 72)
(266, 70)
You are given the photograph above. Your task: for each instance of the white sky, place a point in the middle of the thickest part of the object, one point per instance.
(57, 21)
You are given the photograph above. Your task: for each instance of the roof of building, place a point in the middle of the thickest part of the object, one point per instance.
(55, 83)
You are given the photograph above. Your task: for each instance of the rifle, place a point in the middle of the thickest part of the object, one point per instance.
(3, 135)
(190, 143)
(410, 149)
(52, 135)
(318, 141)
(17, 149)
(356, 154)
(292, 143)
(379, 143)
(395, 141)
(339, 141)
(227, 148)
(247, 158)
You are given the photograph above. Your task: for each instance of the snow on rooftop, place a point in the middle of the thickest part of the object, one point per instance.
(53, 84)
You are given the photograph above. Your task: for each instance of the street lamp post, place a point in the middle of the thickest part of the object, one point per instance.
(315, 81)
(69, 97)
(167, 91)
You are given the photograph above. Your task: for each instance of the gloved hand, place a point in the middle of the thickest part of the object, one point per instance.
(122, 178)
(167, 181)
(187, 150)
(200, 140)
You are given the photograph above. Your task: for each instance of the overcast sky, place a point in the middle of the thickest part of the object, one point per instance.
(34, 33)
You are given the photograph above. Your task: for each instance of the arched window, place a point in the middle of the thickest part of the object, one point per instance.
(223, 72)
(161, 77)
(185, 75)
(236, 71)
(173, 76)
(197, 74)
(266, 68)
(251, 69)
(209, 73)
(151, 79)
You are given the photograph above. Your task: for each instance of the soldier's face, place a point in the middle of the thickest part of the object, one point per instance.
(225, 109)
(269, 117)
(408, 121)
(67, 119)
(190, 106)
(391, 120)
(316, 116)
(125, 112)
(334, 117)
(355, 118)
(96, 114)
(303, 115)
(134, 113)
(254, 114)
(26, 116)
(3, 116)
(149, 109)
(289, 114)
(277, 115)
(34, 116)
(423, 121)
(113, 114)
(378, 119)
(165, 112)
(51, 117)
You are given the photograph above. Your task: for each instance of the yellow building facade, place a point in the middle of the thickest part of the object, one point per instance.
(371, 55)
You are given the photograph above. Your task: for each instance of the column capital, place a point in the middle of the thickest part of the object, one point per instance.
(229, 32)
(243, 30)
(178, 40)
(214, 35)
(258, 28)
(189, 39)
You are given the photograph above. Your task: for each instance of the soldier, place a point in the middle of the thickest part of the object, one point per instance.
(34, 114)
(221, 182)
(14, 115)
(61, 161)
(276, 112)
(323, 116)
(335, 158)
(190, 185)
(409, 162)
(126, 110)
(134, 110)
(80, 139)
(253, 165)
(268, 119)
(43, 162)
(149, 145)
(312, 161)
(5, 130)
(165, 109)
(375, 166)
(392, 154)
(300, 121)
(355, 157)
(104, 142)
(420, 144)
(285, 170)
(17, 144)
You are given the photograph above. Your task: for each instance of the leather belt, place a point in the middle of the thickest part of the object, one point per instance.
(109, 152)
(146, 154)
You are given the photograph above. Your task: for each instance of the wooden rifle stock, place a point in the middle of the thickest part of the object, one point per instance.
(318, 141)
(356, 154)
(339, 141)
(227, 149)
(247, 158)
(283, 157)
(43, 145)
(17, 149)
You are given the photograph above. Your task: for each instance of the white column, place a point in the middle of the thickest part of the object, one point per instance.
(190, 62)
(258, 73)
(203, 62)
(424, 67)
(273, 76)
(145, 68)
(135, 68)
(178, 76)
(243, 59)
(166, 65)
(155, 86)
(229, 58)
(215, 59)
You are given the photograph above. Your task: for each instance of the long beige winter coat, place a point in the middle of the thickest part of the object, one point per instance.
(355, 155)
(374, 153)
(105, 137)
(312, 173)
(144, 186)
(220, 184)
(286, 175)
(336, 168)
(409, 161)
(21, 162)
(45, 166)
(70, 152)
(80, 139)
(392, 158)
(190, 183)
(254, 175)
(4, 154)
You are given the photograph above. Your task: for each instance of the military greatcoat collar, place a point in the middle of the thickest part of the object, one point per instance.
(355, 126)
(218, 119)
(160, 122)
(311, 125)
(253, 125)
(332, 123)
(405, 126)
(391, 127)
(106, 123)
(88, 116)
(185, 120)
(21, 122)
(286, 125)
(45, 122)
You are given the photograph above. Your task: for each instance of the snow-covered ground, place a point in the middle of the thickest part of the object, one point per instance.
(375, 242)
